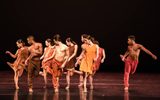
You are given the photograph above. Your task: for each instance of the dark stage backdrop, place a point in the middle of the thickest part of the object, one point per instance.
(109, 21)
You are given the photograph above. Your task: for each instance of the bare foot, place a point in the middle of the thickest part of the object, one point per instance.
(67, 87)
(91, 87)
(44, 86)
(126, 88)
(17, 87)
(80, 84)
(41, 73)
(30, 90)
(85, 90)
(56, 90)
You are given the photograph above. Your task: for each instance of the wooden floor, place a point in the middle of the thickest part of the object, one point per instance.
(107, 86)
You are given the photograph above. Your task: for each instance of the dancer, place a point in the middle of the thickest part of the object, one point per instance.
(48, 51)
(70, 66)
(131, 57)
(33, 61)
(81, 56)
(101, 57)
(90, 52)
(19, 64)
(60, 58)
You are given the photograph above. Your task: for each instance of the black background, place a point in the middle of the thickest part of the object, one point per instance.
(110, 21)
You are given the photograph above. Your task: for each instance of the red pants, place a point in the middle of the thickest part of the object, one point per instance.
(55, 71)
(130, 67)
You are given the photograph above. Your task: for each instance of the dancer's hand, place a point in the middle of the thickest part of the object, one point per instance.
(62, 66)
(41, 58)
(69, 59)
(154, 57)
(26, 62)
(102, 60)
(8, 52)
(95, 59)
(122, 57)
(44, 61)
(76, 64)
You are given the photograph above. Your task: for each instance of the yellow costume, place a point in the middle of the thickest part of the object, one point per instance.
(88, 59)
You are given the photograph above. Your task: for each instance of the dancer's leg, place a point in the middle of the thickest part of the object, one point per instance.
(68, 80)
(16, 79)
(45, 77)
(91, 81)
(126, 75)
(80, 80)
(85, 82)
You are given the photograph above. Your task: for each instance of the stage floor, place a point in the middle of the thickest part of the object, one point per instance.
(143, 86)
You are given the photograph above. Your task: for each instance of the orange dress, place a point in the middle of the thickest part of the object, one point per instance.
(88, 59)
(19, 63)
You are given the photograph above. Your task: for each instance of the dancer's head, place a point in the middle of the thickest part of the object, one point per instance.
(131, 39)
(30, 39)
(69, 41)
(89, 39)
(56, 39)
(83, 37)
(48, 42)
(20, 43)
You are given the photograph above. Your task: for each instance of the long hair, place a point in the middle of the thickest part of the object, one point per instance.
(49, 41)
(21, 41)
(84, 35)
(70, 40)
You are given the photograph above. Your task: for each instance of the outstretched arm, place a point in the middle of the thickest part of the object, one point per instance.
(147, 51)
(11, 54)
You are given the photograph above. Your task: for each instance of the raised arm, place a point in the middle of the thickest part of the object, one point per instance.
(147, 51)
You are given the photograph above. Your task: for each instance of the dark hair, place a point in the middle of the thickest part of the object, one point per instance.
(30, 37)
(132, 37)
(70, 40)
(92, 39)
(96, 42)
(84, 35)
(57, 37)
(49, 40)
(21, 41)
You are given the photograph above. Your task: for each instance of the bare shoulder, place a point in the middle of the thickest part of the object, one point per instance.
(139, 45)
(76, 46)
(65, 46)
(39, 44)
(83, 46)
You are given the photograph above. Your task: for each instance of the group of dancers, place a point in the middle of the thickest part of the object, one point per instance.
(58, 58)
